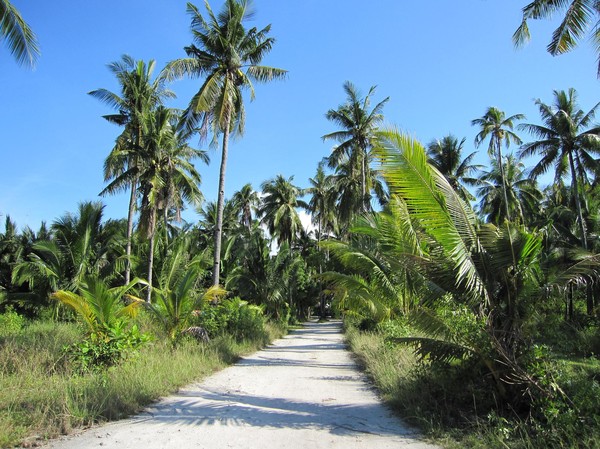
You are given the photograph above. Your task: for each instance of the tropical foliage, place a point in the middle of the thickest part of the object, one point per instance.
(488, 275)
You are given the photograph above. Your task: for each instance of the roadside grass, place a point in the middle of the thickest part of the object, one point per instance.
(43, 395)
(456, 409)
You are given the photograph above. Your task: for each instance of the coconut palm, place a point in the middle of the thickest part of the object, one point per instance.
(81, 245)
(322, 202)
(178, 294)
(228, 55)
(495, 125)
(580, 18)
(523, 195)
(358, 125)
(279, 208)
(485, 274)
(446, 156)
(19, 38)
(138, 97)
(168, 175)
(246, 200)
(568, 141)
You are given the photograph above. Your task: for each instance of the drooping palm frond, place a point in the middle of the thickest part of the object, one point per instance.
(433, 203)
(19, 38)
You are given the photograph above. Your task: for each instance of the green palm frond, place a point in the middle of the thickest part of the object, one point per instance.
(433, 203)
(19, 38)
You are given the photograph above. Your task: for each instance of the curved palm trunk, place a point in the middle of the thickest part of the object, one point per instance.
(220, 203)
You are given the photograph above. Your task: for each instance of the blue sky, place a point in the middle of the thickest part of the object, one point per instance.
(442, 63)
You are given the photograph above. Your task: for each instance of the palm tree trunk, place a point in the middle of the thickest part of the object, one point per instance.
(575, 188)
(221, 202)
(363, 180)
(152, 231)
(501, 166)
(130, 231)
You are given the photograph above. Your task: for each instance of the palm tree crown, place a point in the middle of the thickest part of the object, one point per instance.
(498, 127)
(358, 127)
(568, 140)
(279, 208)
(446, 156)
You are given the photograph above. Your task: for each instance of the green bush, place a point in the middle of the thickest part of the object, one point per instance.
(101, 350)
(234, 317)
(10, 322)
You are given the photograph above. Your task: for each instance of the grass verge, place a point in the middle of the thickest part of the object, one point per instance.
(456, 410)
(43, 396)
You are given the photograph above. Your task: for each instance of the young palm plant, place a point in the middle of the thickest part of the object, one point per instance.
(179, 294)
(486, 274)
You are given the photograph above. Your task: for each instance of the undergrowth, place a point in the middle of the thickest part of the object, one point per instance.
(455, 405)
(44, 394)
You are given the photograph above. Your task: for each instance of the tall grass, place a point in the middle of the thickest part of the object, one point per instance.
(43, 395)
(455, 407)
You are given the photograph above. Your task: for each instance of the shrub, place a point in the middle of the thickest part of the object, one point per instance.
(10, 322)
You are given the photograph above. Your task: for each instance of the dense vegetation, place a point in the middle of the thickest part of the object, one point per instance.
(470, 292)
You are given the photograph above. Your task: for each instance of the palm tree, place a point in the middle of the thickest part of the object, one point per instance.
(228, 55)
(322, 202)
(568, 140)
(355, 138)
(178, 294)
(523, 194)
(581, 17)
(446, 156)
(498, 127)
(138, 97)
(19, 38)
(246, 200)
(279, 206)
(169, 175)
(81, 245)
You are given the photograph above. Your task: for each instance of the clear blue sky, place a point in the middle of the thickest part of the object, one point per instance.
(442, 63)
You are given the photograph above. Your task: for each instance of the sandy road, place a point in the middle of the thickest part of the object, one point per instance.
(304, 391)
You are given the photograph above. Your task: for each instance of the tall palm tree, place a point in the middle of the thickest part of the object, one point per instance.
(580, 18)
(228, 55)
(498, 127)
(279, 206)
(446, 156)
(169, 175)
(568, 140)
(138, 97)
(523, 195)
(19, 38)
(355, 138)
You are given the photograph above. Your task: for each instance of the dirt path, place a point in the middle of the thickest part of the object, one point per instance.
(304, 391)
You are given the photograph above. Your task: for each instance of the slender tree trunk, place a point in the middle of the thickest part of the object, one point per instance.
(501, 166)
(221, 202)
(150, 266)
(363, 180)
(152, 231)
(130, 215)
(575, 189)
